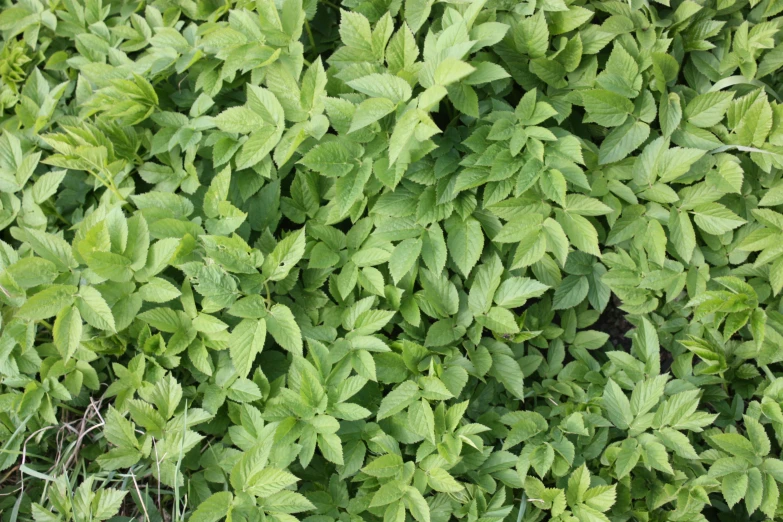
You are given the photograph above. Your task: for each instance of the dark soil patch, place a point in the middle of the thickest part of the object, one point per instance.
(613, 322)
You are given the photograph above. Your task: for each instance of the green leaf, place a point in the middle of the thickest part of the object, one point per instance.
(383, 86)
(465, 241)
(451, 70)
(416, 504)
(757, 435)
(400, 140)
(682, 235)
(107, 503)
(402, 50)
(158, 290)
(67, 331)
(515, 291)
(268, 481)
(708, 109)
(214, 508)
(350, 188)
(94, 309)
(404, 257)
(499, 320)
(46, 186)
(646, 395)
(286, 254)
(736, 445)
(617, 405)
(238, 119)
(485, 283)
(388, 493)
(355, 31)
(247, 341)
(755, 491)
(384, 466)
(581, 233)
(331, 448)
(416, 13)
(606, 108)
(532, 35)
(771, 496)
(622, 141)
(670, 114)
(398, 399)
(578, 485)
(370, 111)
(440, 480)
(284, 329)
(52, 248)
(714, 218)
(506, 369)
(627, 457)
(570, 293)
(47, 302)
(217, 193)
(734, 486)
(334, 158)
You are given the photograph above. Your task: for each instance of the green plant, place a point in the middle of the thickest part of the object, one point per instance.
(381, 260)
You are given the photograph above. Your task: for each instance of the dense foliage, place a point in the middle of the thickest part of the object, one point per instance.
(279, 260)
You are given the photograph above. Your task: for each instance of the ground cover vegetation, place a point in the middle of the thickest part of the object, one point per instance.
(386, 260)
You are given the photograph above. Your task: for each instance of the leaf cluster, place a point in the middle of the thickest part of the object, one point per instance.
(391, 260)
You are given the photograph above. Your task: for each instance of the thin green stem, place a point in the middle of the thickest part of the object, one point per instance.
(310, 35)
(117, 193)
(179, 465)
(330, 4)
(109, 184)
(56, 213)
(45, 324)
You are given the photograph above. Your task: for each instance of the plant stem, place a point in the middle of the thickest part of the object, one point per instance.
(310, 35)
(46, 324)
(57, 214)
